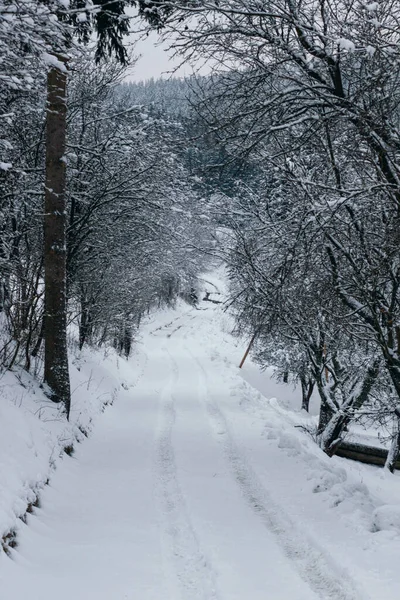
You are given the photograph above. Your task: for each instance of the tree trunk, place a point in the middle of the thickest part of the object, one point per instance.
(392, 366)
(56, 375)
(85, 323)
(325, 415)
(394, 450)
(307, 388)
(127, 340)
(332, 434)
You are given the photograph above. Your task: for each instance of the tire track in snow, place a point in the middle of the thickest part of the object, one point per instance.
(195, 575)
(314, 566)
(170, 324)
(184, 324)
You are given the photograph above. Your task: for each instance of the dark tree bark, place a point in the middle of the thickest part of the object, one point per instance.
(56, 375)
(127, 340)
(331, 436)
(85, 323)
(307, 388)
(394, 450)
(325, 415)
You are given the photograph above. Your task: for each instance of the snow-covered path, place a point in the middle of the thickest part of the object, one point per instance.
(165, 500)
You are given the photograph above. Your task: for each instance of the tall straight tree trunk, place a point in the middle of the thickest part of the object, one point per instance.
(56, 374)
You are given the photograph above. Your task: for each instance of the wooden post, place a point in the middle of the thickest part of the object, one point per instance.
(248, 349)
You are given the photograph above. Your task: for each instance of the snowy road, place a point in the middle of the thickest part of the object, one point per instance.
(165, 502)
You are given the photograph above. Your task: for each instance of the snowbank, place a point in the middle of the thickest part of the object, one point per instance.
(350, 509)
(34, 433)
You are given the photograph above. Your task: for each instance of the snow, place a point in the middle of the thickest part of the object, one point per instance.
(34, 431)
(195, 484)
(53, 62)
(387, 517)
(372, 6)
(345, 44)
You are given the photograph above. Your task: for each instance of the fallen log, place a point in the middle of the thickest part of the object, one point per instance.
(208, 299)
(365, 454)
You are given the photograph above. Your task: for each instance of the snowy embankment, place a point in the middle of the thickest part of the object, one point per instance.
(196, 485)
(34, 433)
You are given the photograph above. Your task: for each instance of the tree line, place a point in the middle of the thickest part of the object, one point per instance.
(100, 216)
(306, 94)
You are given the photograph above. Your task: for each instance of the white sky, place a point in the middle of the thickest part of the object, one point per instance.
(155, 60)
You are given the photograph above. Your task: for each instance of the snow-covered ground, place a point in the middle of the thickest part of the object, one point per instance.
(34, 433)
(195, 485)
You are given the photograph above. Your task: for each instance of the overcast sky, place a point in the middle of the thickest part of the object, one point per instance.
(155, 61)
